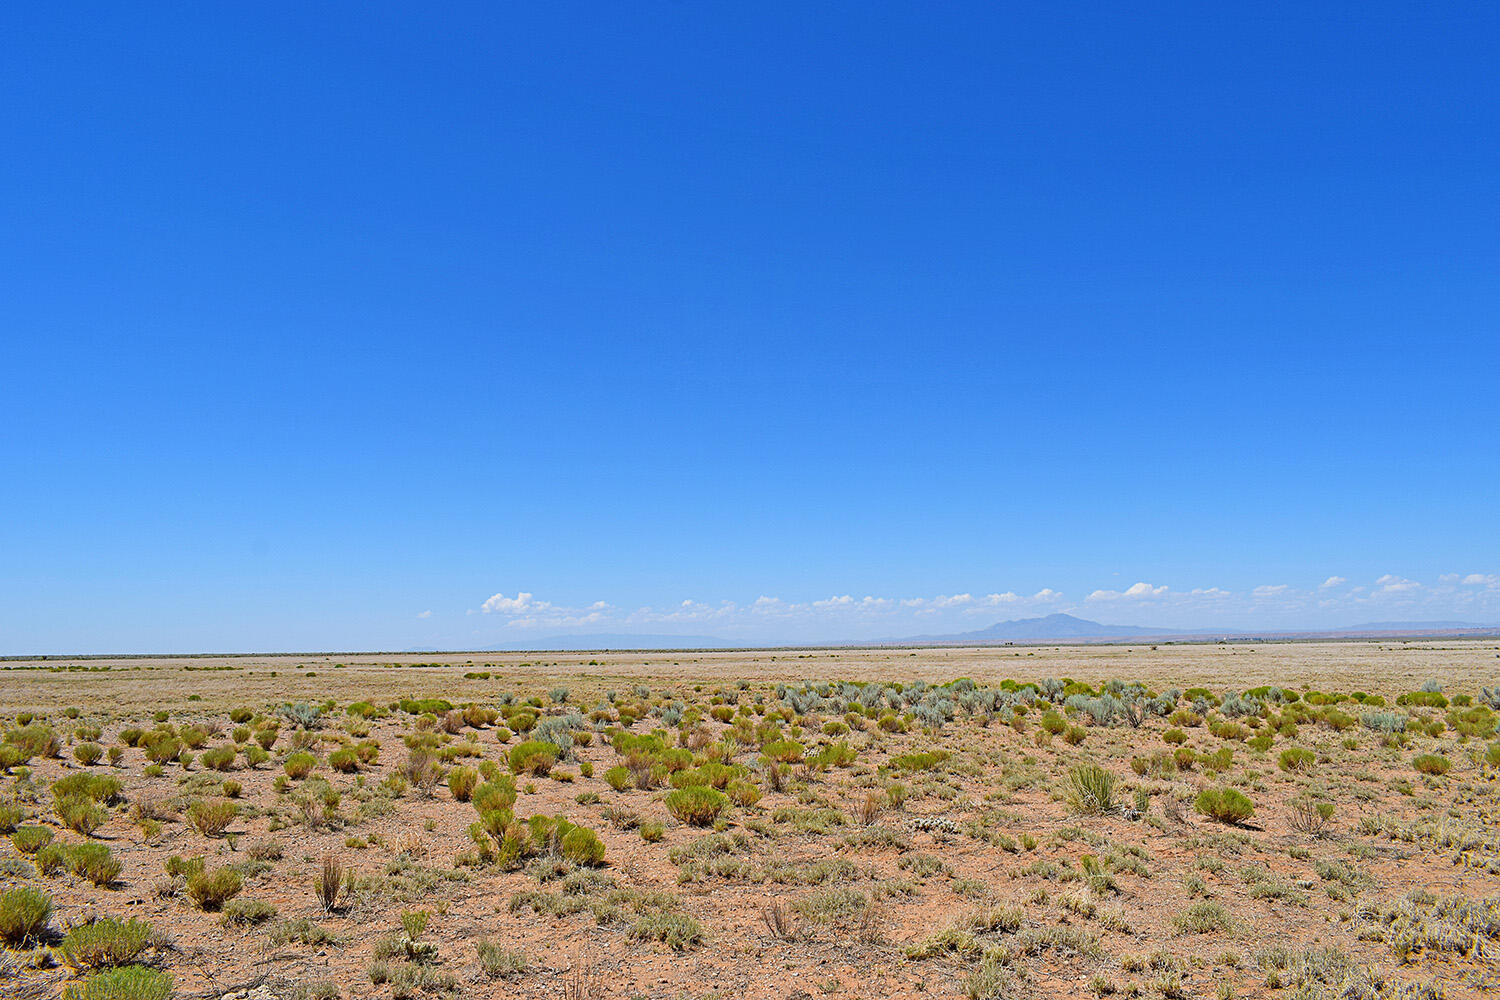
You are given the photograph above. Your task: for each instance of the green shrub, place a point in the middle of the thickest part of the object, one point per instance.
(24, 912)
(344, 760)
(498, 962)
(85, 785)
(104, 944)
(211, 890)
(533, 757)
(677, 931)
(1431, 763)
(30, 839)
(696, 805)
(300, 765)
(51, 859)
(239, 716)
(211, 818)
(582, 846)
(94, 862)
(245, 912)
(618, 778)
(923, 761)
(1203, 917)
(1091, 789)
(493, 795)
(81, 814)
(461, 782)
(88, 754)
(129, 982)
(10, 817)
(1227, 805)
(183, 868)
(652, 831)
(742, 793)
(1297, 759)
(219, 758)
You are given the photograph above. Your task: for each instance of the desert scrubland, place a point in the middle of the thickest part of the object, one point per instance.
(1285, 820)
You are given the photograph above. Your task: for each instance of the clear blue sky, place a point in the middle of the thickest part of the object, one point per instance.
(343, 326)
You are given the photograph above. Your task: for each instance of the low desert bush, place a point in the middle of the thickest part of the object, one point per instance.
(1431, 763)
(498, 962)
(129, 982)
(696, 805)
(211, 890)
(30, 839)
(1203, 917)
(24, 912)
(299, 765)
(211, 818)
(1297, 759)
(1090, 789)
(94, 862)
(105, 943)
(1226, 805)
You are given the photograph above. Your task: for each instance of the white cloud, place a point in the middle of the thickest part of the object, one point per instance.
(523, 603)
(954, 601)
(1332, 581)
(1210, 592)
(1135, 592)
(1481, 580)
(834, 602)
(424, 614)
(1392, 584)
(1046, 594)
(1271, 590)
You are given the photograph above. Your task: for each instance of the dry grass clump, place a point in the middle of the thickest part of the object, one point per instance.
(24, 912)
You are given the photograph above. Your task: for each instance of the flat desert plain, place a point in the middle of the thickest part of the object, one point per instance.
(1285, 820)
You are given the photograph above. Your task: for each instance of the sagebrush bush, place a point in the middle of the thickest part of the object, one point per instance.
(211, 890)
(211, 818)
(219, 758)
(1297, 759)
(696, 805)
(24, 912)
(1227, 805)
(582, 846)
(300, 765)
(129, 982)
(1431, 763)
(104, 943)
(30, 839)
(533, 757)
(94, 862)
(462, 782)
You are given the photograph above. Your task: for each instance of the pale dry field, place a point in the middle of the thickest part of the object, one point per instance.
(930, 841)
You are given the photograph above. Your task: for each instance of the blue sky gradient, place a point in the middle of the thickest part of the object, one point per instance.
(342, 326)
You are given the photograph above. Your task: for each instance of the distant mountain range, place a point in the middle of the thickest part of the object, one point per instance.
(1058, 628)
(1068, 627)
